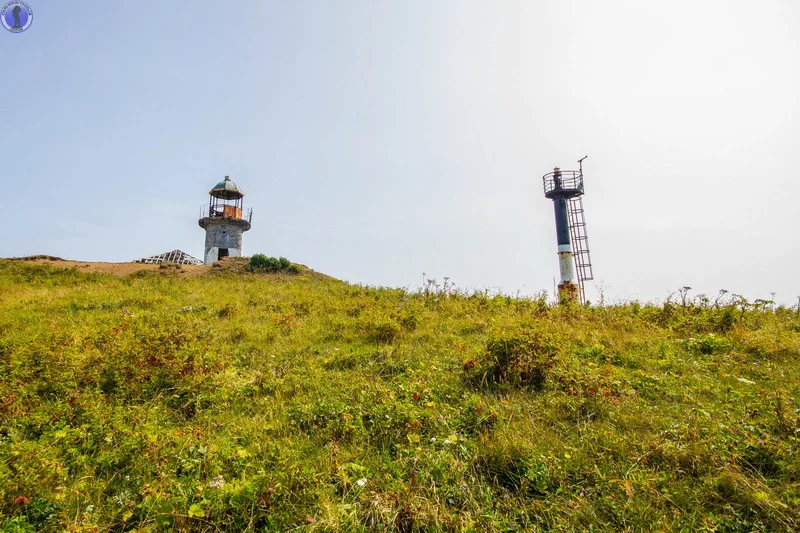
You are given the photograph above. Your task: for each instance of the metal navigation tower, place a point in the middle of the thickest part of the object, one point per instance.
(565, 188)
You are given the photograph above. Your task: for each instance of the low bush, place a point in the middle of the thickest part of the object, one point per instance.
(262, 263)
(707, 344)
(523, 358)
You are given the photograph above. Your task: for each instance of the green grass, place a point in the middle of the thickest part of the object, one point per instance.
(272, 402)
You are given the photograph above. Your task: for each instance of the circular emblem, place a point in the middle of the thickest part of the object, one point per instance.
(16, 16)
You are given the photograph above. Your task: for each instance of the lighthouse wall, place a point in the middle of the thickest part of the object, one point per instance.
(224, 236)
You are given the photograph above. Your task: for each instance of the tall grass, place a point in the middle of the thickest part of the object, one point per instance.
(271, 402)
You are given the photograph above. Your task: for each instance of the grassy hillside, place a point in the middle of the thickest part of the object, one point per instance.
(238, 401)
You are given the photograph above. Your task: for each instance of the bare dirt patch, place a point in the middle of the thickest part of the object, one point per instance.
(116, 269)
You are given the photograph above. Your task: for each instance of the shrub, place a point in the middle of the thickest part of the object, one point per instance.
(409, 319)
(262, 263)
(726, 321)
(707, 344)
(503, 464)
(383, 331)
(522, 359)
(18, 524)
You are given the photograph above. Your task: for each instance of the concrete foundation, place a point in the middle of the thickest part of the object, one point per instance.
(568, 292)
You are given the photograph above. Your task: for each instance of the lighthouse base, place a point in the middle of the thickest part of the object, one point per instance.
(223, 237)
(215, 253)
(568, 292)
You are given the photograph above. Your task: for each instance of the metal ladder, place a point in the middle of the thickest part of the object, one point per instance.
(580, 243)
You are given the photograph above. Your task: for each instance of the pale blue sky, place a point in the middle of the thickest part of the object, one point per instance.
(377, 140)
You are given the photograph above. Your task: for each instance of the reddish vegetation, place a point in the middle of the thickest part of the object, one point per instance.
(22, 501)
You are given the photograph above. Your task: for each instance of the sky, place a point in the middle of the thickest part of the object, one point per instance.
(386, 141)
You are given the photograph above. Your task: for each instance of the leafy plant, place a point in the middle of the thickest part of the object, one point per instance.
(707, 344)
(520, 358)
(262, 263)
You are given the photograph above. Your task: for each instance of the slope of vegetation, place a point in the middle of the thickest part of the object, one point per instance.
(271, 402)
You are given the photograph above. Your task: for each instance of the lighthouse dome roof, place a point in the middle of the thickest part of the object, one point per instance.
(226, 190)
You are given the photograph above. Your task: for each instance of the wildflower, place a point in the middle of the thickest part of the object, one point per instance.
(309, 520)
(270, 490)
(216, 483)
(447, 441)
(361, 482)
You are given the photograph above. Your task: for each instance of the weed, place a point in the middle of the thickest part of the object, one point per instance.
(707, 344)
(521, 358)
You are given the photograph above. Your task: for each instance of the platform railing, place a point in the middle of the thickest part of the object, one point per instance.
(226, 211)
(566, 180)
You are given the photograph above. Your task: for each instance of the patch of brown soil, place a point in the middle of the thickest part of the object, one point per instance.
(116, 269)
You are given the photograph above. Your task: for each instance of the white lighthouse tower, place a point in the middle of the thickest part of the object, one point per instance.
(225, 220)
